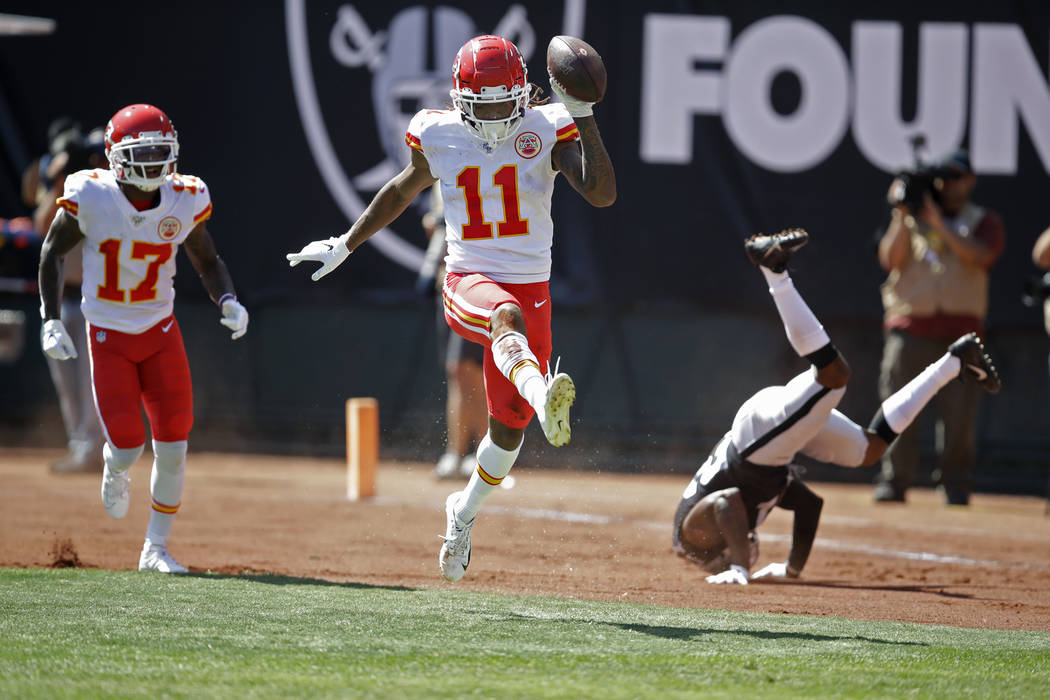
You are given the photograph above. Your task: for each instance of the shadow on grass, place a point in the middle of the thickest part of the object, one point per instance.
(690, 633)
(697, 633)
(283, 580)
(929, 588)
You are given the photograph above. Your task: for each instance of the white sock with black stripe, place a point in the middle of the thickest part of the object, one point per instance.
(901, 409)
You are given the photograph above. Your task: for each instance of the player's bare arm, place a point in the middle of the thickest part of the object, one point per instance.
(387, 205)
(215, 276)
(200, 249)
(391, 200)
(1041, 250)
(62, 236)
(807, 506)
(587, 167)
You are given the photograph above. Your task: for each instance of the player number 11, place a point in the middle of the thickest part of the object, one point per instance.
(476, 228)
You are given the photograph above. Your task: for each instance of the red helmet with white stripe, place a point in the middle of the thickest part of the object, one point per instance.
(142, 146)
(490, 71)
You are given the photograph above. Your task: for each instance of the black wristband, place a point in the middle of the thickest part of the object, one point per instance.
(823, 357)
(880, 427)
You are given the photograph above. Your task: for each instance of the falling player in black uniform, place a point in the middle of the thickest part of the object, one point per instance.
(749, 471)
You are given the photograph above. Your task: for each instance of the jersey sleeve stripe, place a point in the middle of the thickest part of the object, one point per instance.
(69, 205)
(569, 133)
(204, 215)
(413, 141)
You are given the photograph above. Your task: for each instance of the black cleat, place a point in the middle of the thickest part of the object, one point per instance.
(774, 251)
(976, 365)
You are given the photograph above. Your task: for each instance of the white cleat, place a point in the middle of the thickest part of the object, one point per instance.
(554, 418)
(115, 492)
(455, 552)
(155, 557)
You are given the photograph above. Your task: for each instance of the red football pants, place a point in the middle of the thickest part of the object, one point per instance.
(469, 303)
(148, 369)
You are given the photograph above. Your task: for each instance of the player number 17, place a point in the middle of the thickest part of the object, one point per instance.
(146, 290)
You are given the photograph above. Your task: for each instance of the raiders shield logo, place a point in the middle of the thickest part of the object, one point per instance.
(528, 145)
(168, 228)
(400, 56)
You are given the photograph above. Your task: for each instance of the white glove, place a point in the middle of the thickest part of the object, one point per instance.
(56, 341)
(577, 108)
(234, 317)
(734, 574)
(778, 569)
(330, 253)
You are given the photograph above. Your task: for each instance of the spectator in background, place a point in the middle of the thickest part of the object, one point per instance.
(69, 152)
(936, 290)
(466, 414)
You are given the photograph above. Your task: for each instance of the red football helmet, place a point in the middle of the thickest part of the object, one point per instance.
(490, 70)
(142, 146)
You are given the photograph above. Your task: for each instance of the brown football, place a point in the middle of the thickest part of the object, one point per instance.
(577, 67)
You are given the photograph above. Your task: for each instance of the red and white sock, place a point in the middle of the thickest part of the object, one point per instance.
(494, 464)
(166, 482)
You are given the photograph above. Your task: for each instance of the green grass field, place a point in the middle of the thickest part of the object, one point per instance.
(91, 633)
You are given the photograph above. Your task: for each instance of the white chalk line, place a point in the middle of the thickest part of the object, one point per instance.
(836, 545)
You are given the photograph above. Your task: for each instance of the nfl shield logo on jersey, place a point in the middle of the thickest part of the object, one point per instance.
(168, 228)
(528, 144)
(100, 336)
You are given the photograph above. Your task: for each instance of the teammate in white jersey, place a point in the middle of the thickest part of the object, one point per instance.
(749, 471)
(496, 154)
(132, 218)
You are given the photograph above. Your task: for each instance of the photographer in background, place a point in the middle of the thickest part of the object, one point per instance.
(937, 251)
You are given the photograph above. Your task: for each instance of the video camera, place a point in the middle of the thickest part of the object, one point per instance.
(911, 186)
(1036, 290)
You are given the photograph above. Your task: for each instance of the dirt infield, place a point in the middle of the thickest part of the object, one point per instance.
(592, 536)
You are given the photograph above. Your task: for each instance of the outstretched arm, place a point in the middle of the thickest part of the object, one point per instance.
(391, 200)
(587, 167)
(387, 205)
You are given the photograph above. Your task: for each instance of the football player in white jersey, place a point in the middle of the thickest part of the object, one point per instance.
(132, 218)
(496, 155)
(749, 471)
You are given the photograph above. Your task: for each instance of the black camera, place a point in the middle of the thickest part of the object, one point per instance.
(1036, 290)
(911, 186)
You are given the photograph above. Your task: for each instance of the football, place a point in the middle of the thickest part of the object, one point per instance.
(577, 67)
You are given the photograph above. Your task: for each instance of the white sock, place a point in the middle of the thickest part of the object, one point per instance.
(804, 331)
(169, 475)
(901, 408)
(517, 362)
(494, 464)
(119, 459)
